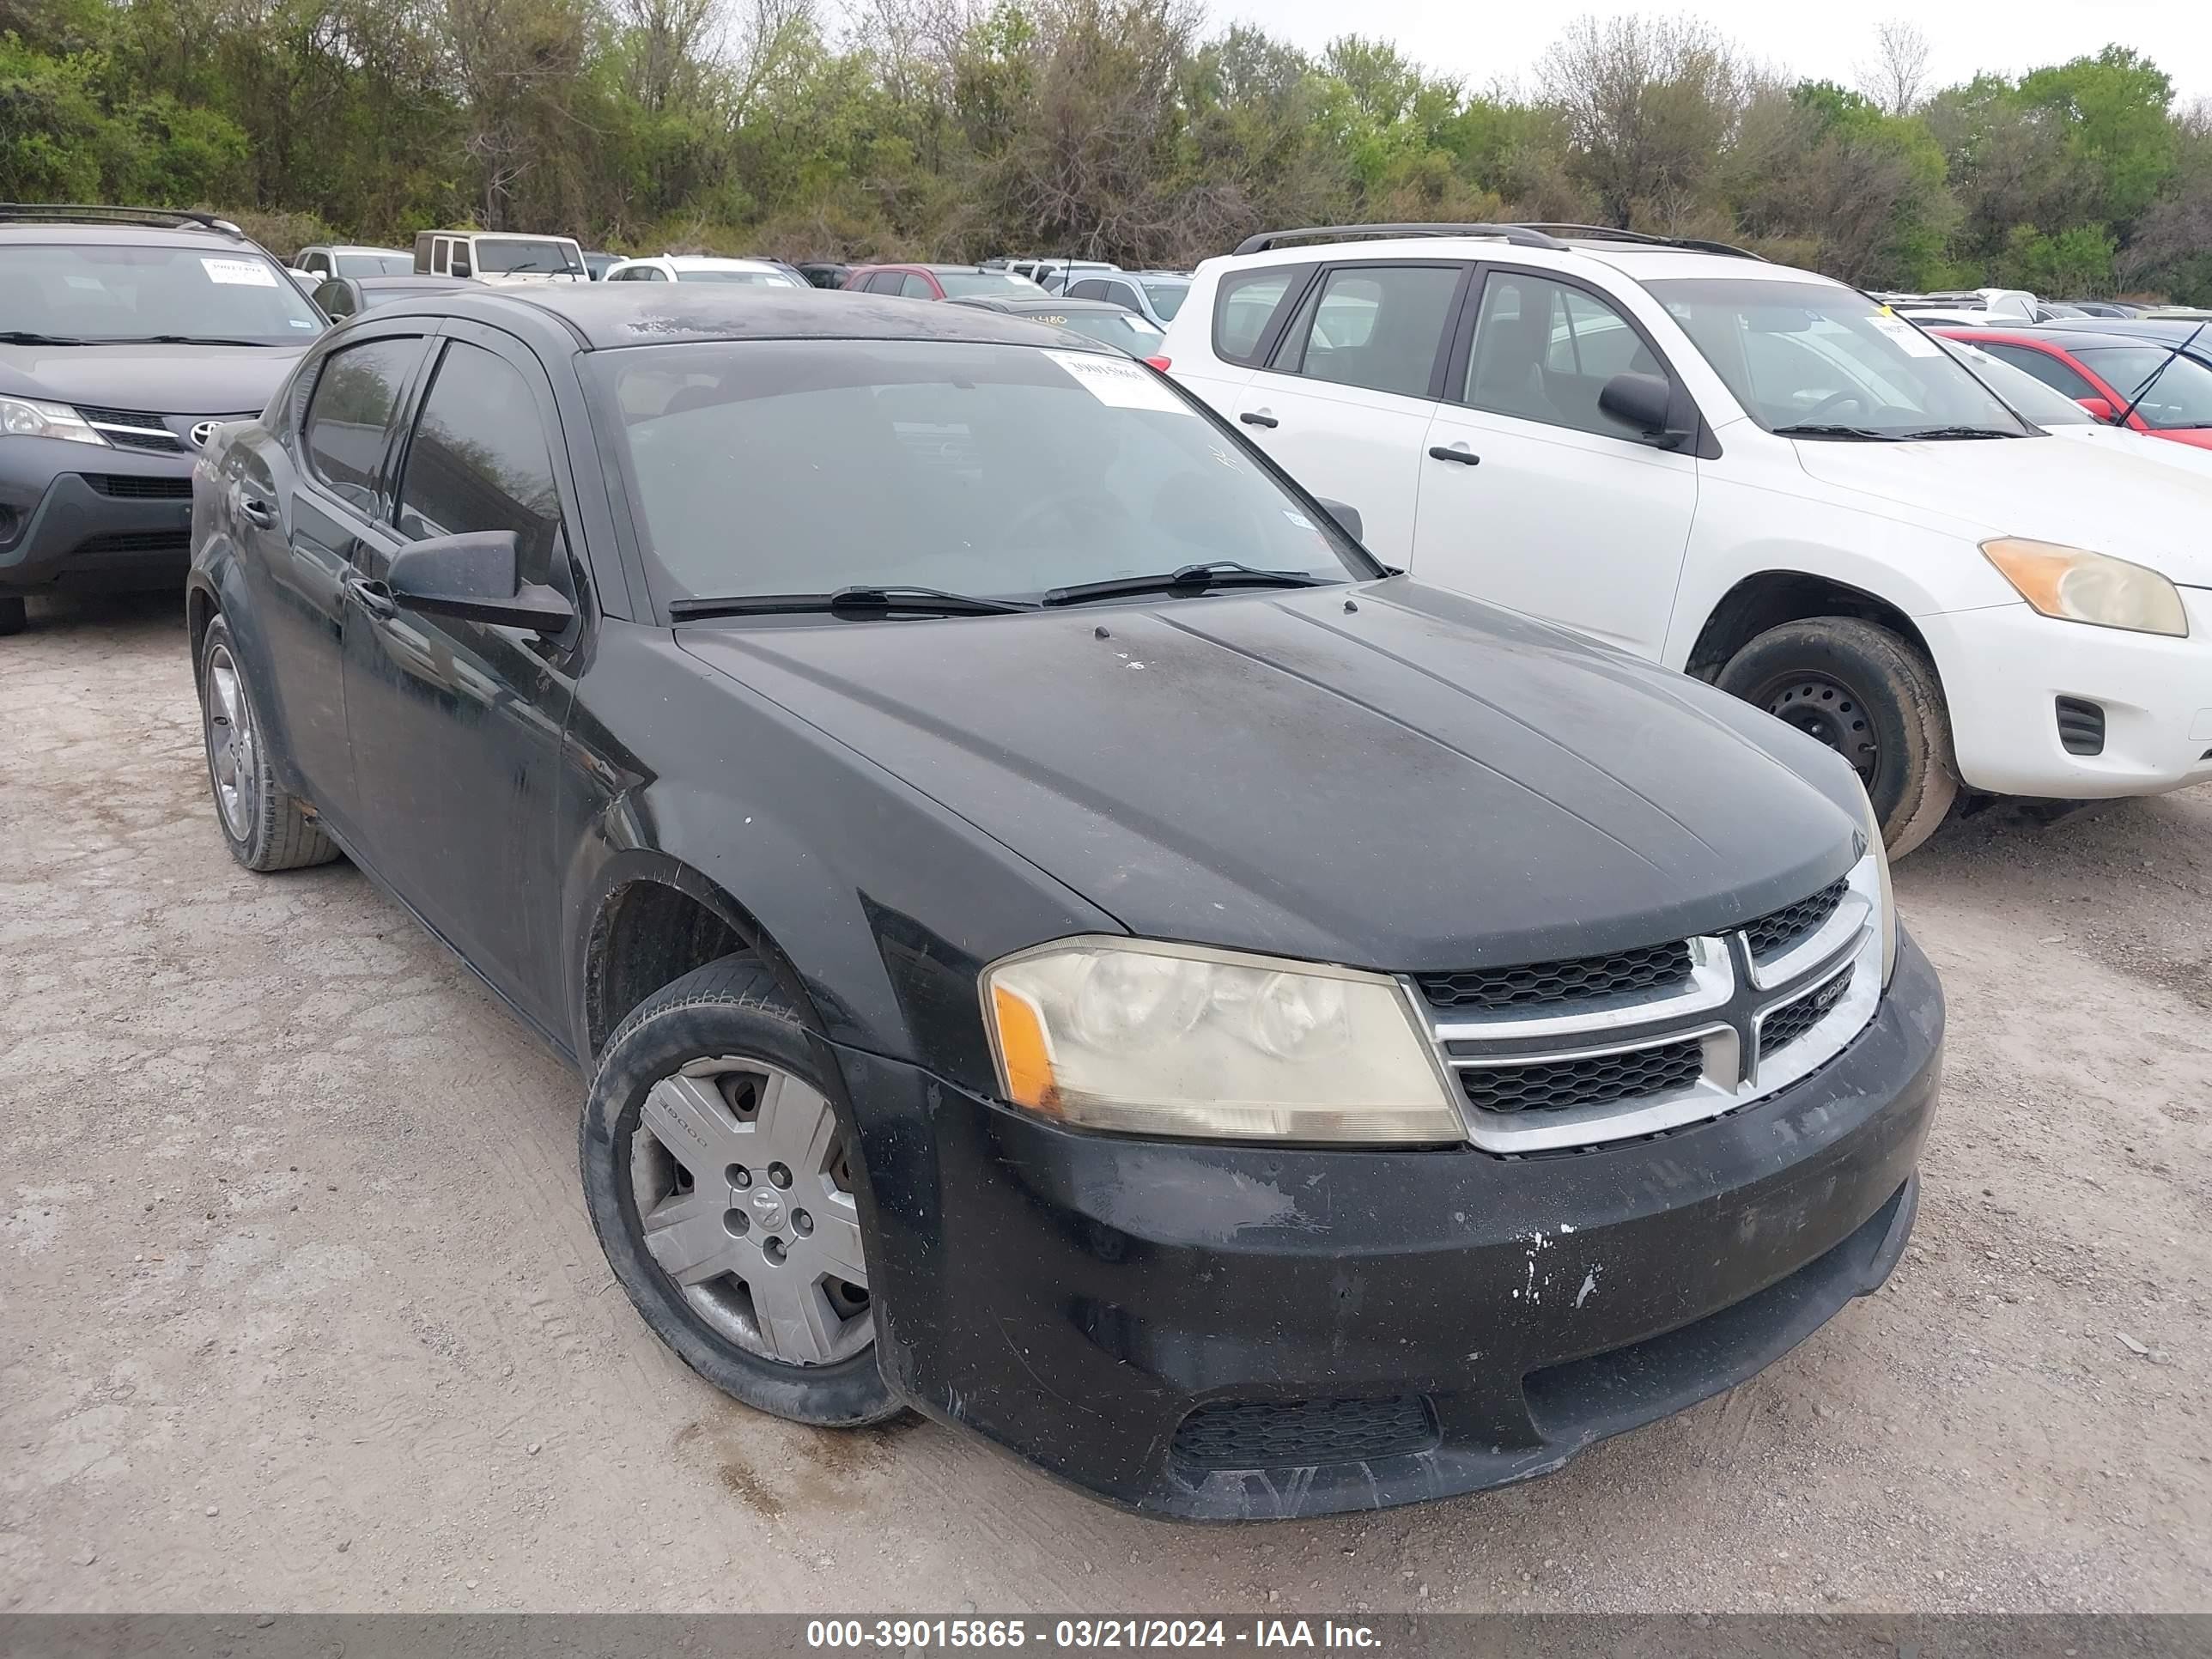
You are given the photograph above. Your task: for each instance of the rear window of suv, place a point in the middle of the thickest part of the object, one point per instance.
(1244, 306)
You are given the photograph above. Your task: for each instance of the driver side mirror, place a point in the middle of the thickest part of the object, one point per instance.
(1348, 517)
(474, 577)
(1646, 403)
(2101, 407)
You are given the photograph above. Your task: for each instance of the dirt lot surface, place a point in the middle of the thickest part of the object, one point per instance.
(299, 1310)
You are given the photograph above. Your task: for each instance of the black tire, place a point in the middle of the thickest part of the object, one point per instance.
(277, 832)
(733, 1007)
(1872, 696)
(13, 614)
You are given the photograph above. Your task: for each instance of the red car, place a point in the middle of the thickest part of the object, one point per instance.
(2105, 373)
(940, 281)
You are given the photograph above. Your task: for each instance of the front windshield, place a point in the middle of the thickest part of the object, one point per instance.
(375, 264)
(803, 466)
(103, 292)
(1167, 297)
(1815, 354)
(505, 256)
(2029, 398)
(742, 278)
(959, 285)
(1123, 330)
(2181, 399)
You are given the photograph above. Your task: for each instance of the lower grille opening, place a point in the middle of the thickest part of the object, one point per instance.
(140, 541)
(1252, 1434)
(2080, 727)
(124, 487)
(1786, 1025)
(1559, 1085)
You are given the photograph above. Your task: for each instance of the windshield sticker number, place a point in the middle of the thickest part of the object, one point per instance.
(1120, 383)
(239, 273)
(1915, 344)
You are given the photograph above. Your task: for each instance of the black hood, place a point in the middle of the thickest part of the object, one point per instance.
(1422, 782)
(161, 379)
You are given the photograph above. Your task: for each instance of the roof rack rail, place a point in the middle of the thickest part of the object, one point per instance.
(87, 213)
(1613, 233)
(1520, 236)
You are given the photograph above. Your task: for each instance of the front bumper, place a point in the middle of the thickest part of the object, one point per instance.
(1370, 1327)
(102, 519)
(2005, 667)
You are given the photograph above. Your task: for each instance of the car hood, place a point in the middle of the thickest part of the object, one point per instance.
(2109, 499)
(163, 379)
(1420, 782)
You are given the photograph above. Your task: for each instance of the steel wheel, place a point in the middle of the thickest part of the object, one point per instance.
(233, 758)
(745, 1202)
(1826, 707)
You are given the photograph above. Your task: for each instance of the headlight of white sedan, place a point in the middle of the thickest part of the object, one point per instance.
(2075, 585)
(22, 418)
(1160, 1039)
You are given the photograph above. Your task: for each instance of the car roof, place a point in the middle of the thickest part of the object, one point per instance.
(701, 261)
(108, 234)
(1641, 261)
(2136, 330)
(601, 317)
(2069, 337)
(407, 282)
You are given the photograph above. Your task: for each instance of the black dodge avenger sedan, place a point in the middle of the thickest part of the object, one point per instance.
(1060, 937)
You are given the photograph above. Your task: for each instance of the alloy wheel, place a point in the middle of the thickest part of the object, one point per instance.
(744, 1200)
(234, 756)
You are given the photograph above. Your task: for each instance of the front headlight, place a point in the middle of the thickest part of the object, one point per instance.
(2075, 585)
(20, 417)
(1171, 1040)
(1879, 855)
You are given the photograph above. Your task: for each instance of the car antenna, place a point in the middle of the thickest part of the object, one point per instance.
(2143, 390)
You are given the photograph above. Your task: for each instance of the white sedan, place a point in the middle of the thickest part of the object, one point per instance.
(700, 268)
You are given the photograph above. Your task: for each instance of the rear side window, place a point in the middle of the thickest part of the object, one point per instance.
(1244, 306)
(480, 461)
(348, 412)
(1379, 327)
(916, 287)
(1089, 288)
(2058, 376)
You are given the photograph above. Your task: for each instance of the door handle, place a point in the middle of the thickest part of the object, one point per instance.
(1258, 417)
(1459, 452)
(373, 596)
(260, 512)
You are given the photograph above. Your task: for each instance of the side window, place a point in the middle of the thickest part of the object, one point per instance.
(1244, 306)
(442, 249)
(1122, 295)
(1089, 288)
(479, 460)
(334, 299)
(318, 263)
(1378, 326)
(2058, 376)
(916, 287)
(1543, 351)
(343, 436)
(884, 282)
(653, 274)
(461, 265)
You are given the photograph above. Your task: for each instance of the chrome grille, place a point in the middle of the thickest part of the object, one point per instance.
(1568, 1054)
(131, 428)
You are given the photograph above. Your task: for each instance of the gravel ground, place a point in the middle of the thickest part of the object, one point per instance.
(299, 1307)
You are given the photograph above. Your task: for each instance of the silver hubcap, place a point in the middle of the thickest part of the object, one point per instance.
(746, 1203)
(232, 757)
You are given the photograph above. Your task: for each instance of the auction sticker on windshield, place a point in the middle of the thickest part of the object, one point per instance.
(1119, 382)
(1915, 344)
(239, 273)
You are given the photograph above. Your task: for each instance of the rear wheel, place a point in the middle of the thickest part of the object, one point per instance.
(265, 827)
(1871, 696)
(719, 1171)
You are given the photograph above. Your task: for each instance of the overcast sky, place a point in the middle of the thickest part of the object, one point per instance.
(1484, 40)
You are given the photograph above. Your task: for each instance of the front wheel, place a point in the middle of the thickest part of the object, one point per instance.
(719, 1172)
(1871, 696)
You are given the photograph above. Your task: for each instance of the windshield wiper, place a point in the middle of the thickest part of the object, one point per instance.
(1189, 578)
(1862, 433)
(857, 599)
(32, 336)
(177, 339)
(1958, 431)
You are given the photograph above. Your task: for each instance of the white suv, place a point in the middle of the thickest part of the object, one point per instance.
(1752, 473)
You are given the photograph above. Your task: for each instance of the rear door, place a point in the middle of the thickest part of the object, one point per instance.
(1534, 497)
(311, 489)
(457, 726)
(1346, 397)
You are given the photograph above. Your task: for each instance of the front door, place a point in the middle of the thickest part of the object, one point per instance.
(1344, 402)
(457, 726)
(1531, 495)
(306, 497)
